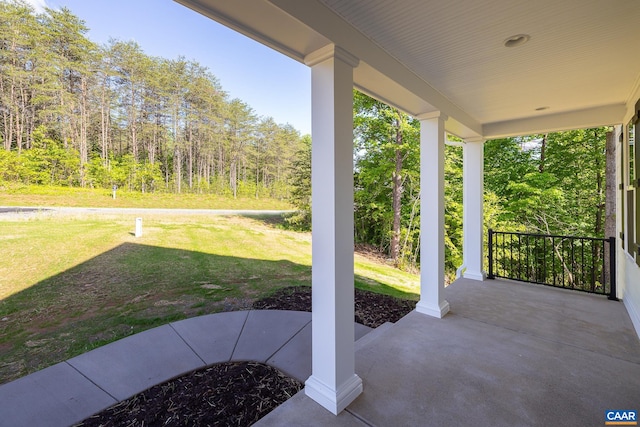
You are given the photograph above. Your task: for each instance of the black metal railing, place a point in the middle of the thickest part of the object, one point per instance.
(581, 263)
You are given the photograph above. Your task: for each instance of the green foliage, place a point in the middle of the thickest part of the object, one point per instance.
(99, 174)
(301, 187)
(542, 183)
(453, 209)
(46, 163)
(377, 152)
(532, 193)
(386, 147)
(11, 167)
(505, 162)
(550, 183)
(114, 115)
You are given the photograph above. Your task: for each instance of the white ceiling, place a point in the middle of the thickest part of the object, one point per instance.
(582, 60)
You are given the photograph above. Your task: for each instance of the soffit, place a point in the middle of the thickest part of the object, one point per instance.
(263, 22)
(582, 53)
(449, 55)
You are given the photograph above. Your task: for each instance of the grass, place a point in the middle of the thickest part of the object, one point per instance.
(72, 283)
(34, 195)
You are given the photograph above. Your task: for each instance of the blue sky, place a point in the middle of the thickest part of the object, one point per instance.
(272, 84)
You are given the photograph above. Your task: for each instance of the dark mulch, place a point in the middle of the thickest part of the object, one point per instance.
(236, 393)
(228, 394)
(371, 309)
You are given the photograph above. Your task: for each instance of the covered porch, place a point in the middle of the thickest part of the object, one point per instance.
(508, 353)
(477, 72)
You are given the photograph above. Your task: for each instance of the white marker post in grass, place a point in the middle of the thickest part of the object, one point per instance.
(138, 227)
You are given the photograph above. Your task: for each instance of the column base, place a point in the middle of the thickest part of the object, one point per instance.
(475, 275)
(333, 400)
(437, 311)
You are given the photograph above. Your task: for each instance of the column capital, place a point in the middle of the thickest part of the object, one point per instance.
(432, 115)
(328, 52)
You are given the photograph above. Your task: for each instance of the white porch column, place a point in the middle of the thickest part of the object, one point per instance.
(432, 137)
(333, 382)
(473, 202)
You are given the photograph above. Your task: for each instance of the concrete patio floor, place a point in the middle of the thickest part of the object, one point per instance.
(508, 354)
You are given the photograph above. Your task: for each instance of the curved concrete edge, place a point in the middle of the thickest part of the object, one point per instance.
(67, 393)
(212, 337)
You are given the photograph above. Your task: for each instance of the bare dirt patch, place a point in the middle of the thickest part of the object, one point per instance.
(371, 253)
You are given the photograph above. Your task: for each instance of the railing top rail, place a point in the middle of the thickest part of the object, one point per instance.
(556, 236)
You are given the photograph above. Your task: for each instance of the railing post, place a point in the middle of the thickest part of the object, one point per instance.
(490, 244)
(612, 269)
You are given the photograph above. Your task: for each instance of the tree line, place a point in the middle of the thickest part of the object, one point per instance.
(549, 184)
(76, 113)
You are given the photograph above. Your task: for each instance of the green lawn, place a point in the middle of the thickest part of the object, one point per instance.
(34, 195)
(71, 283)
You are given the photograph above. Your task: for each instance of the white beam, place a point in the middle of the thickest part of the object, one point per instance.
(473, 207)
(432, 144)
(577, 119)
(333, 382)
(450, 143)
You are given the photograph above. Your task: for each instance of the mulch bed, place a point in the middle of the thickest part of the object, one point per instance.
(235, 393)
(371, 309)
(227, 394)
